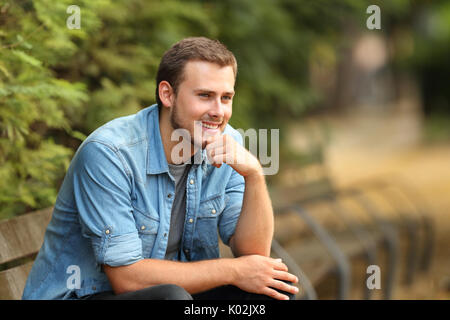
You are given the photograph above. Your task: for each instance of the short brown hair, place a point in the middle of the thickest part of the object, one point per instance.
(190, 49)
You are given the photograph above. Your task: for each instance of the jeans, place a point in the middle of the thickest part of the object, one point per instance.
(174, 292)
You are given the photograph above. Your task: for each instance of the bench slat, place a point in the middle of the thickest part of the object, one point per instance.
(12, 281)
(23, 235)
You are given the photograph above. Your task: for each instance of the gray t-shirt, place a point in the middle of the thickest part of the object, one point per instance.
(180, 174)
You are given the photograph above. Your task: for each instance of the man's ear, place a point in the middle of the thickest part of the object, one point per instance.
(166, 94)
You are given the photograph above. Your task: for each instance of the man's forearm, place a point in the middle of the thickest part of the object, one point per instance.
(194, 277)
(254, 230)
(251, 273)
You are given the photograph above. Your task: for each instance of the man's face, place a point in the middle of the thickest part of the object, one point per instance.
(204, 100)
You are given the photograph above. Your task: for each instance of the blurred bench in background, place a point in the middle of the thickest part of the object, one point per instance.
(331, 236)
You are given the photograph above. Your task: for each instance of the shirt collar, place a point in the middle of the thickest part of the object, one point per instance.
(156, 158)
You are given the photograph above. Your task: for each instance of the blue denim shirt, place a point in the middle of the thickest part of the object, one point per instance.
(114, 208)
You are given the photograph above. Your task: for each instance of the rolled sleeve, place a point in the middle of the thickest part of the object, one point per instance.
(102, 191)
(122, 250)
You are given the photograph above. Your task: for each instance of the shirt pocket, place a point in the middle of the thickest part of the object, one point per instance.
(147, 226)
(207, 221)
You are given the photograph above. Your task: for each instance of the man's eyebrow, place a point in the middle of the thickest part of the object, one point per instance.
(211, 91)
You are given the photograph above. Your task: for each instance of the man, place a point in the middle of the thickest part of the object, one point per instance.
(138, 212)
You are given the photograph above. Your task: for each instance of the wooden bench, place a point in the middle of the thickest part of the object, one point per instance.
(20, 240)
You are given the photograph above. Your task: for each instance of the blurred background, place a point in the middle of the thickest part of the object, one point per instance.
(352, 104)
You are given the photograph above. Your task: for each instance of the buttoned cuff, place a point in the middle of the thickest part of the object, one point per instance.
(117, 250)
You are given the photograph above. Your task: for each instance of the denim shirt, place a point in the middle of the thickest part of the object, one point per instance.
(114, 208)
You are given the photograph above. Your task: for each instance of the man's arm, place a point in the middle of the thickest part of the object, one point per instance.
(194, 277)
(254, 273)
(254, 230)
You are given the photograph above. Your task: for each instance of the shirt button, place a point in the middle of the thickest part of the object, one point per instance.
(165, 235)
(169, 195)
(143, 228)
(213, 211)
(107, 231)
(191, 220)
(94, 288)
(191, 181)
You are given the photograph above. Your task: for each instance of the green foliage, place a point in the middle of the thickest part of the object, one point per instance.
(57, 85)
(34, 101)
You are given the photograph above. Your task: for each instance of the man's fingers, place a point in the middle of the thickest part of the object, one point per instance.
(221, 155)
(217, 160)
(283, 286)
(215, 151)
(286, 276)
(274, 294)
(279, 265)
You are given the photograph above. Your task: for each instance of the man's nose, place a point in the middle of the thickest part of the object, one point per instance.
(217, 109)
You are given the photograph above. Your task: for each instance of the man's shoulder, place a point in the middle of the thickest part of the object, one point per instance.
(124, 131)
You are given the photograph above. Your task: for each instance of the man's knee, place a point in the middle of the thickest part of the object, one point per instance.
(174, 292)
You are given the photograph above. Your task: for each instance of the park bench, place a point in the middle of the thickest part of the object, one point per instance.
(20, 240)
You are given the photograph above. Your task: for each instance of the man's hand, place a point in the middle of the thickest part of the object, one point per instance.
(224, 149)
(261, 275)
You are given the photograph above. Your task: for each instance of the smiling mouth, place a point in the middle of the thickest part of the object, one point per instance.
(211, 125)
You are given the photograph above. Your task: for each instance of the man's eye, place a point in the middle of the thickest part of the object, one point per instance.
(204, 95)
(226, 97)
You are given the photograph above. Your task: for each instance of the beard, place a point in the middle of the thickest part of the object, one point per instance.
(176, 123)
